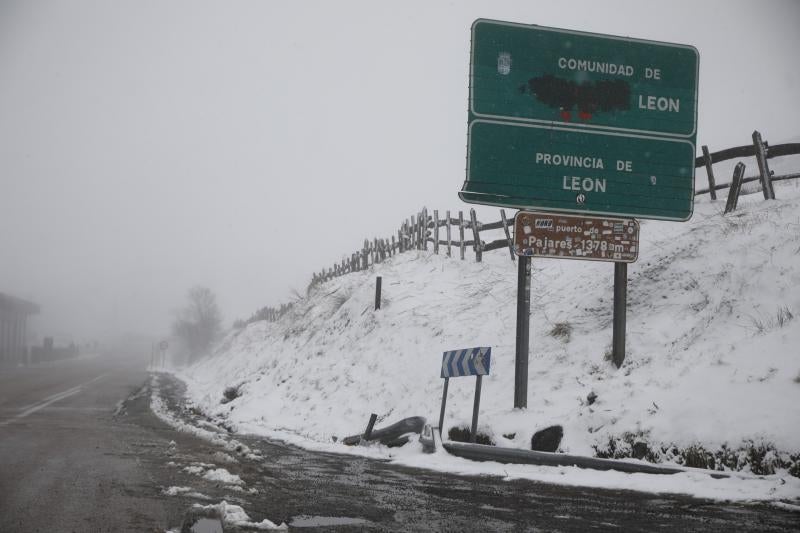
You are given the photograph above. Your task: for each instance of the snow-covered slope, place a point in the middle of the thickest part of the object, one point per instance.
(713, 341)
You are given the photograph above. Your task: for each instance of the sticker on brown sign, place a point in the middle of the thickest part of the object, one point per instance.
(576, 237)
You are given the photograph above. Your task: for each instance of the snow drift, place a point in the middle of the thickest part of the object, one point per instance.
(712, 345)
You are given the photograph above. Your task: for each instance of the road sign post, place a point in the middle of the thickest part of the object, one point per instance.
(620, 304)
(523, 332)
(468, 362)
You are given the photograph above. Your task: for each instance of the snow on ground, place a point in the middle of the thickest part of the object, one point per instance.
(712, 357)
(215, 436)
(223, 476)
(235, 515)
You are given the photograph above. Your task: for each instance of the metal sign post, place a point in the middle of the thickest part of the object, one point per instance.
(620, 304)
(468, 362)
(523, 332)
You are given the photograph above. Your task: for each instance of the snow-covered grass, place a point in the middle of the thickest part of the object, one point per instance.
(712, 359)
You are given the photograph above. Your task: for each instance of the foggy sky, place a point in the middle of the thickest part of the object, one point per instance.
(146, 147)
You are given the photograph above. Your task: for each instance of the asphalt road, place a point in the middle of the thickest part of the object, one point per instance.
(80, 450)
(65, 463)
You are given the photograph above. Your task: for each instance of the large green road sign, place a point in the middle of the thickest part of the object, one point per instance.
(584, 80)
(556, 169)
(577, 122)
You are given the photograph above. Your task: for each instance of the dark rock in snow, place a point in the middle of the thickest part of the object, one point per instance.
(640, 450)
(590, 399)
(547, 439)
(463, 434)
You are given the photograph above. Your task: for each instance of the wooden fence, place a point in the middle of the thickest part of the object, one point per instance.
(761, 150)
(449, 234)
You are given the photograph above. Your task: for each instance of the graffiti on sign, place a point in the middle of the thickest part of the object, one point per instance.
(575, 237)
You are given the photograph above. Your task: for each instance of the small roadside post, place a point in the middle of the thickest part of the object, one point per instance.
(163, 345)
(378, 292)
(467, 362)
(368, 431)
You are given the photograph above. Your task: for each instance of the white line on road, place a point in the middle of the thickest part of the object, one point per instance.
(37, 402)
(30, 409)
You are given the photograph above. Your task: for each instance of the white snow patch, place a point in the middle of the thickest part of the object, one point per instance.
(174, 491)
(709, 361)
(236, 516)
(223, 476)
(161, 410)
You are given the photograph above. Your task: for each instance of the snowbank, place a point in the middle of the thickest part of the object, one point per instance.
(712, 343)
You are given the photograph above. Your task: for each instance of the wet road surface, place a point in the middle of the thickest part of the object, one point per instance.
(65, 463)
(75, 457)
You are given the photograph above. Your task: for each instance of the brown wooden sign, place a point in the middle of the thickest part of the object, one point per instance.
(576, 237)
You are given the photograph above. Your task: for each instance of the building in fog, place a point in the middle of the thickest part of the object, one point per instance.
(14, 313)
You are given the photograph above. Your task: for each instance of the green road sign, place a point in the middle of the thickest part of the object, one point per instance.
(577, 122)
(529, 166)
(584, 80)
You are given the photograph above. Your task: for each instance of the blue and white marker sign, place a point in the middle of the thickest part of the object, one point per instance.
(468, 362)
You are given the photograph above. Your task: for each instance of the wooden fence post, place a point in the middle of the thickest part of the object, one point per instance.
(736, 186)
(424, 228)
(449, 239)
(417, 230)
(710, 173)
(436, 231)
(400, 247)
(763, 167)
(508, 235)
(461, 232)
(476, 236)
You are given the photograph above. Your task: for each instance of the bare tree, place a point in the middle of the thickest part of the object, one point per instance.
(198, 324)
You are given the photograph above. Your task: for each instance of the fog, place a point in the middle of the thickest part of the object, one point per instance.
(146, 147)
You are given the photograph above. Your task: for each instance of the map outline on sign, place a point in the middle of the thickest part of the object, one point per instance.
(577, 125)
